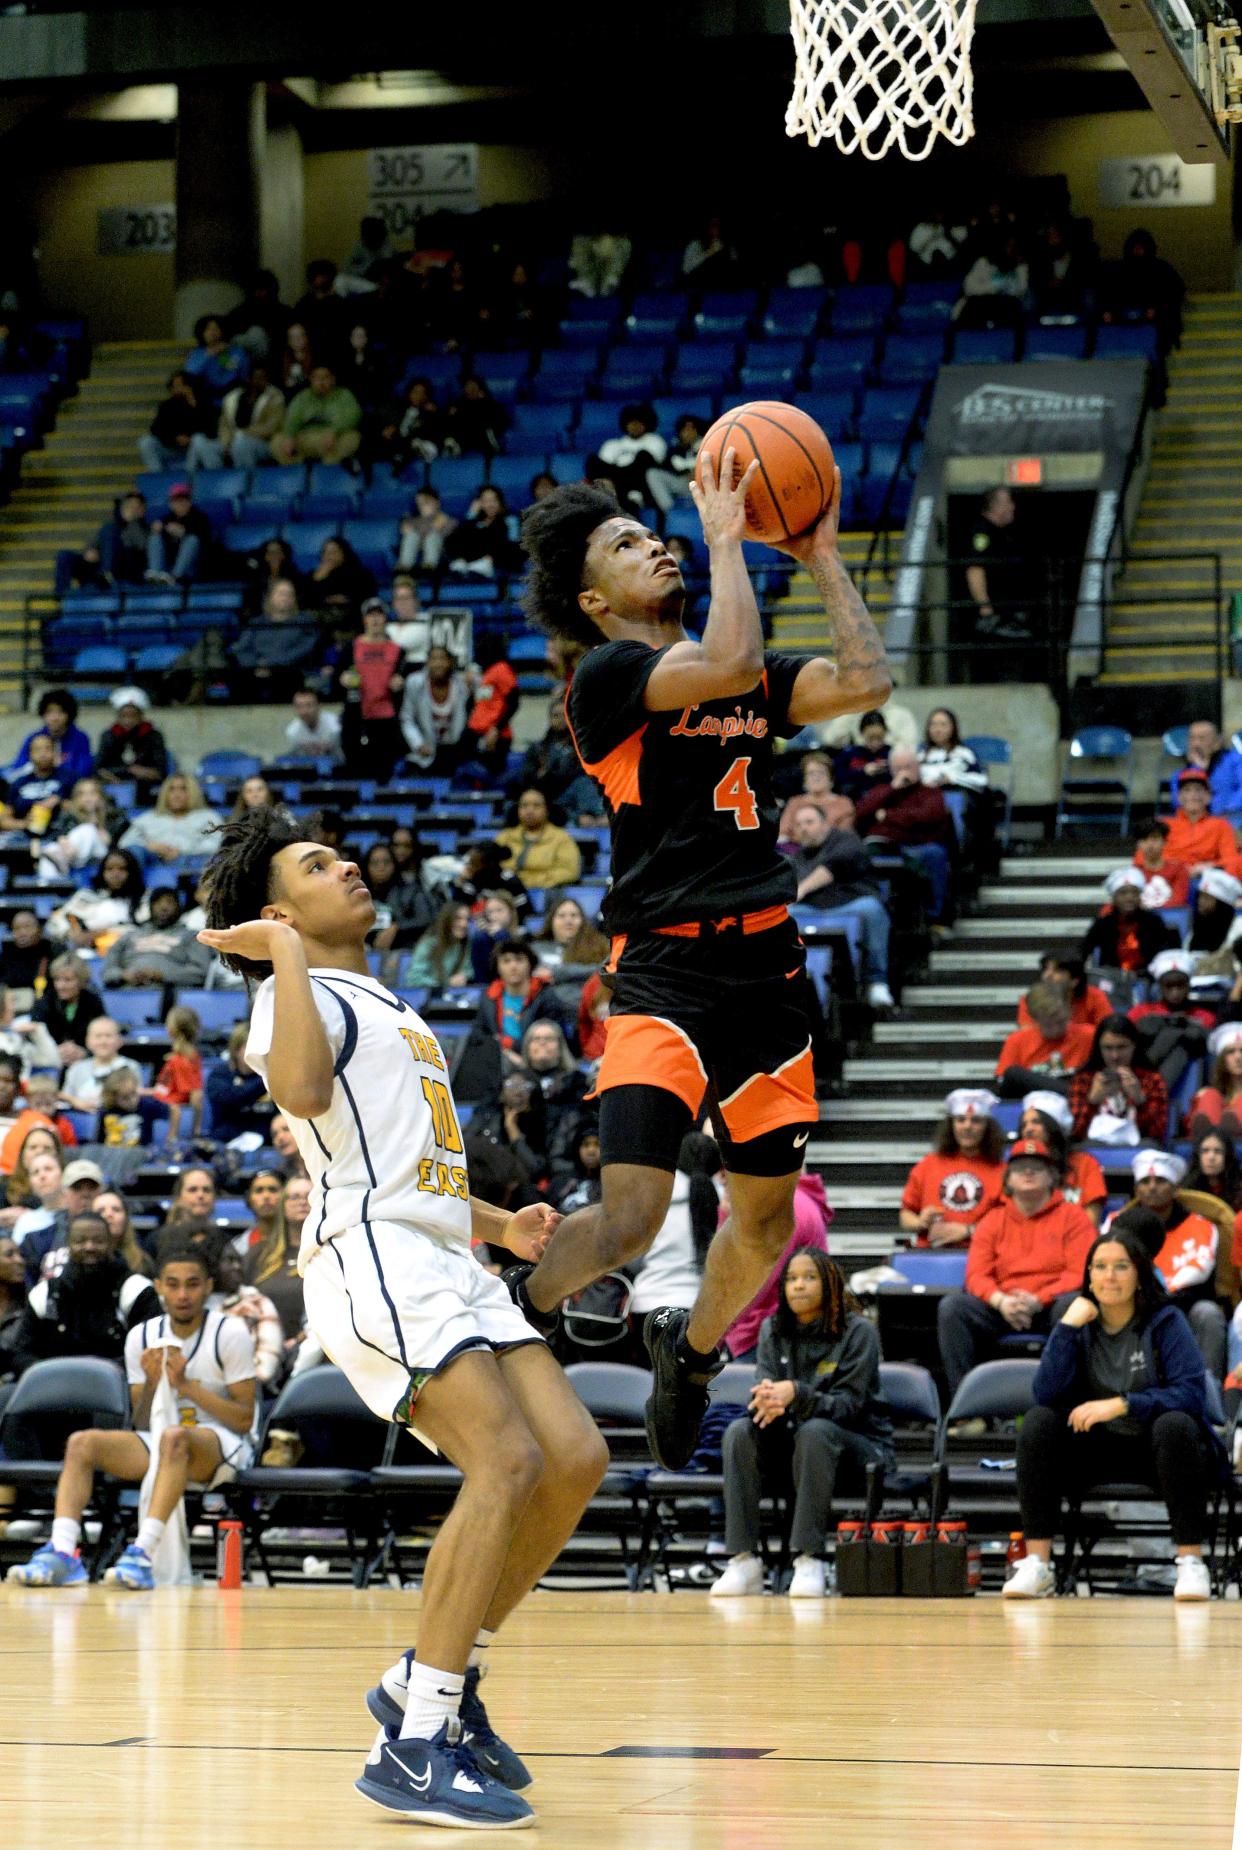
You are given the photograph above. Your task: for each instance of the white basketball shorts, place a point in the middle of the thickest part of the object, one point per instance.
(388, 1302)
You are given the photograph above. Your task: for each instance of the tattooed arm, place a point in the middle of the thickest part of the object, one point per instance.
(858, 677)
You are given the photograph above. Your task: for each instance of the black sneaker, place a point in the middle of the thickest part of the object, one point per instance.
(679, 1395)
(514, 1278)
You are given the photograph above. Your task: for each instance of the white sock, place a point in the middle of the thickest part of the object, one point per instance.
(66, 1534)
(433, 1697)
(395, 1679)
(149, 1537)
(478, 1657)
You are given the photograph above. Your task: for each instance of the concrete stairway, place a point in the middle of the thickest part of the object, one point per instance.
(1190, 504)
(68, 487)
(798, 619)
(949, 1033)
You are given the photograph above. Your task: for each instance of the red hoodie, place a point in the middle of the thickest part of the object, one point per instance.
(1044, 1253)
(812, 1218)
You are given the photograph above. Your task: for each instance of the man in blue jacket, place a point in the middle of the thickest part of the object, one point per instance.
(1207, 751)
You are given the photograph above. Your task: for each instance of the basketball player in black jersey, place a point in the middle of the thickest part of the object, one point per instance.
(710, 997)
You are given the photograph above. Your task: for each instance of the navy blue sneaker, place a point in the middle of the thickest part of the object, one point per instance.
(387, 1706)
(439, 1782)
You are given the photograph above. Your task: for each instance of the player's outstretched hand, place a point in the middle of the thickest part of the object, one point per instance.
(822, 537)
(528, 1231)
(722, 504)
(255, 939)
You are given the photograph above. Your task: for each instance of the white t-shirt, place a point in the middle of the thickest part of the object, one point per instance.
(324, 742)
(221, 1354)
(389, 1146)
(84, 1080)
(670, 1273)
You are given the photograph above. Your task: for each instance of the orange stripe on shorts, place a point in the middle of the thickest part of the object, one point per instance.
(646, 1050)
(769, 1100)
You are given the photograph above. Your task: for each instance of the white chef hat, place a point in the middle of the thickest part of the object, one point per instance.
(1053, 1106)
(970, 1102)
(1228, 1035)
(1221, 886)
(1160, 1163)
(1123, 876)
(129, 697)
(1165, 963)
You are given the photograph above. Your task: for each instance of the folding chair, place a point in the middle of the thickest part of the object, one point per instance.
(51, 1401)
(1100, 796)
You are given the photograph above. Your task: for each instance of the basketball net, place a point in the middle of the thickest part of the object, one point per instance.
(872, 74)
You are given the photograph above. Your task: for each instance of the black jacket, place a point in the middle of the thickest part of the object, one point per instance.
(845, 858)
(82, 1314)
(1101, 938)
(837, 1381)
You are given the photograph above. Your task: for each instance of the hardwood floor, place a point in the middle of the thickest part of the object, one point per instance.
(211, 1721)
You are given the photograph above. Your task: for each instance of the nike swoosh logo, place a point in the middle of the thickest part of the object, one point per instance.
(799, 1141)
(421, 1785)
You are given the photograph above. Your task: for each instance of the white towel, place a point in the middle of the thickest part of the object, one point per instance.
(171, 1561)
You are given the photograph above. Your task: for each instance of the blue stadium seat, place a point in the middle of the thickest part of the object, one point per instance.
(150, 601)
(563, 374)
(926, 306)
(100, 659)
(386, 501)
(911, 357)
(1130, 342)
(834, 412)
(703, 366)
(886, 411)
(228, 766)
(442, 371)
(792, 313)
(633, 372)
(1056, 343)
(279, 479)
(157, 657)
(565, 468)
(670, 410)
(861, 308)
(836, 362)
(468, 591)
(214, 488)
(598, 420)
(984, 346)
(851, 456)
(456, 477)
(90, 603)
(724, 312)
(589, 322)
(539, 427)
(246, 536)
(655, 315)
(135, 628)
(771, 365)
(375, 542)
(155, 484)
(307, 537)
(502, 372)
(512, 476)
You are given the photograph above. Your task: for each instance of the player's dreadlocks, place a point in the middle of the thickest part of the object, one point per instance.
(555, 532)
(239, 875)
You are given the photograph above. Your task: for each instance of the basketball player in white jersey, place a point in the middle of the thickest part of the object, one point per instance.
(396, 1297)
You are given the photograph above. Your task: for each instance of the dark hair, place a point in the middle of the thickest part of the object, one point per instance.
(1073, 966)
(373, 881)
(1142, 1234)
(502, 946)
(1117, 1024)
(11, 1064)
(1230, 1184)
(555, 534)
(239, 875)
(639, 414)
(175, 1249)
(1050, 1132)
(838, 1303)
(991, 1150)
(203, 323)
(699, 1158)
(135, 883)
(951, 716)
(1151, 825)
(88, 1214)
(59, 697)
(872, 718)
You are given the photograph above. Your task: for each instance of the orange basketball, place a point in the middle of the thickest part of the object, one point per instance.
(794, 485)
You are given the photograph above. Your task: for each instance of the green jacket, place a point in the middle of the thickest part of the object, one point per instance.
(339, 411)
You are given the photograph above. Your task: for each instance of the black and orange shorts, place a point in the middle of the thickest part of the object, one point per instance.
(713, 1016)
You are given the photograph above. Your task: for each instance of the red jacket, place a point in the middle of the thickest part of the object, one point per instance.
(495, 701)
(1044, 1253)
(912, 815)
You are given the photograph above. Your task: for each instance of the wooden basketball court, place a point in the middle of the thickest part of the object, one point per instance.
(235, 1721)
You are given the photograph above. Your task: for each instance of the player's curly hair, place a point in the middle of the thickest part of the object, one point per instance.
(239, 875)
(555, 532)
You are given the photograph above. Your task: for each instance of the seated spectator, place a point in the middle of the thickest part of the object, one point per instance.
(935, 245)
(10, 1093)
(544, 855)
(435, 706)
(186, 413)
(127, 1119)
(322, 311)
(670, 481)
(132, 750)
(1184, 1245)
(1119, 1397)
(251, 417)
(996, 286)
(295, 364)
(58, 711)
(424, 534)
(516, 997)
(863, 767)
(215, 363)
(266, 1234)
(475, 423)
(119, 553)
(284, 1143)
(547, 1058)
(944, 761)
(1175, 1033)
(255, 793)
(103, 908)
(1218, 1105)
(518, 1121)
(575, 1185)
(1060, 275)
(914, 818)
(1196, 838)
(496, 697)
(834, 875)
(323, 423)
(25, 957)
(567, 937)
(948, 1191)
(88, 1307)
(1117, 1097)
(1216, 924)
(1026, 1252)
(212, 1373)
(181, 540)
(1047, 1118)
(1215, 1170)
(441, 958)
(1047, 1052)
(817, 789)
(278, 647)
(483, 872)
(68, 1007)
(257, 324)
(313, 732)
(403, 910)
(179, 1082)
(12, 1301)
(817, 1400)
(1143, 287)
(180, 823)
(31, 792)
(193, 1198)
(24, 1038)
(367, 373)
(1088, 1005)
(812, 1219)
(413, 430)
(1208, 752)
(83, 1083)
(627, 460)
(598, 262)
(550, 764)
(110, 1205)
(484, 545)
(1125, 937)
(264, 566)
(1166, 882)
(255, 1310)
(498, 918)
(237, 1097)
(709, 261)
(42, 1229)
(79, 833)
(409, 625)
(340, 581)
(160, 953)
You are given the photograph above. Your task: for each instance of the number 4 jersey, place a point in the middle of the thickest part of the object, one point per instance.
(689, 793)
(389, 1147)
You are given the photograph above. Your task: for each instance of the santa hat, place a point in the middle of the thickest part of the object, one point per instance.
(1123, 876)
(1221, 886)
(1053, 1106)
(1171, 963)
(1160, 1163)
(970, 1102)
(1221, 1039)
